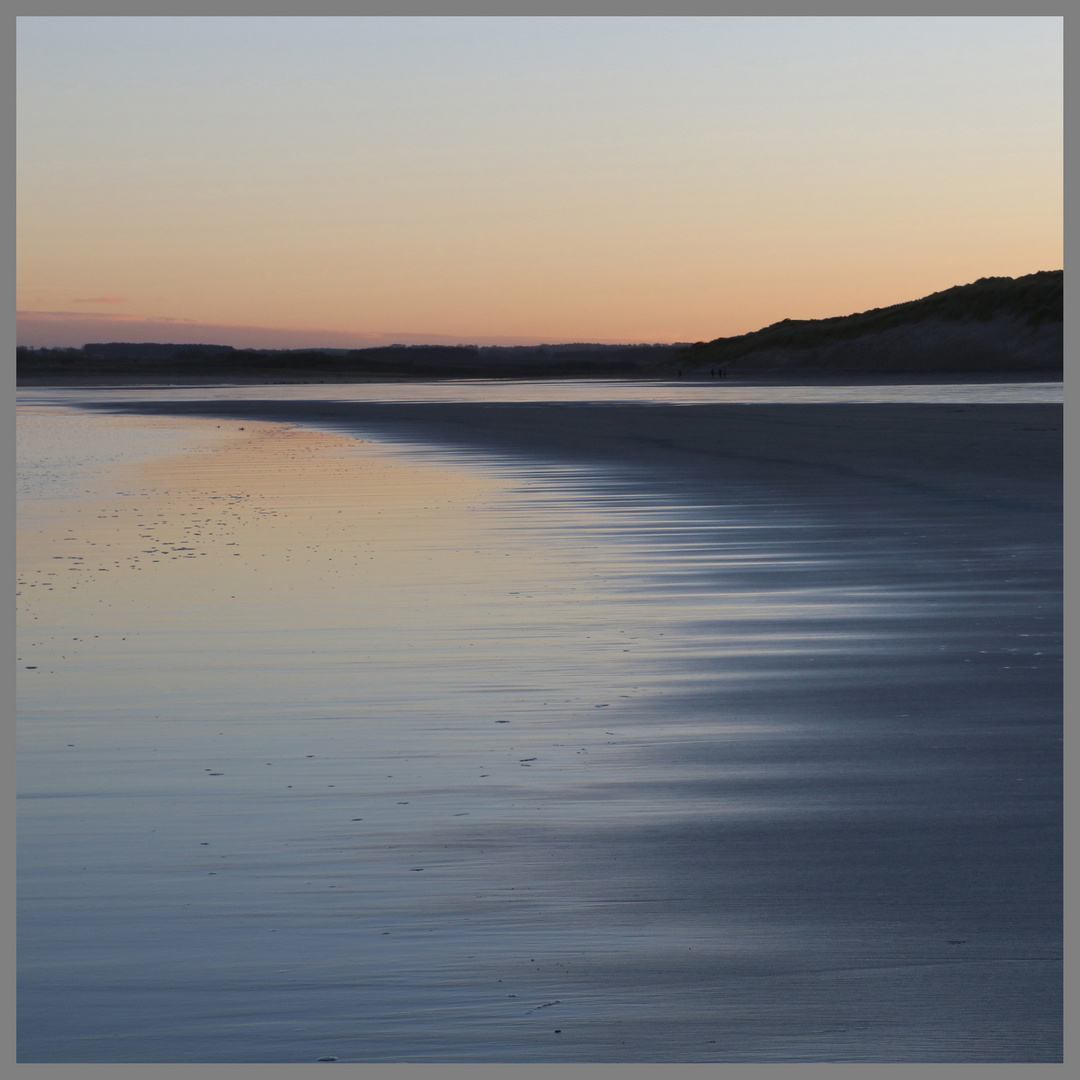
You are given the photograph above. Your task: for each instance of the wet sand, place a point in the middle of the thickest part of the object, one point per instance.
(1004, 453)
(728, 733)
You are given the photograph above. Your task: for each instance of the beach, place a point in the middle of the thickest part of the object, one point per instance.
(489, 731)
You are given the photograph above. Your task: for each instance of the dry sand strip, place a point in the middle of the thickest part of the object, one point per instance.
(1006, 454)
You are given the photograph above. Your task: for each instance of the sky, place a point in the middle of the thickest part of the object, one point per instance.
(348, 181)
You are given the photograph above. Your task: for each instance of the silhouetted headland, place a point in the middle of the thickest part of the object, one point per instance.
(994, 325)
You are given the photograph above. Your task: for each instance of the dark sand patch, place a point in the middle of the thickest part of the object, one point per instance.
(1004, 453)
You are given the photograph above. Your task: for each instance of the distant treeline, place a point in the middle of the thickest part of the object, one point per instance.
(1034, 301)
(121, 358)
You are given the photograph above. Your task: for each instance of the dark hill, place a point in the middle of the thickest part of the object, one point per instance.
(993, 324)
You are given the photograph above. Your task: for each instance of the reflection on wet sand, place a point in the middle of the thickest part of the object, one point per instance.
(332, 746)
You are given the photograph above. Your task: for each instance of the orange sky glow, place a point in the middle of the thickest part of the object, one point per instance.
(341, 182)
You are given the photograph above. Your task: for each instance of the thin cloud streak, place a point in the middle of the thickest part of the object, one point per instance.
(65, 329)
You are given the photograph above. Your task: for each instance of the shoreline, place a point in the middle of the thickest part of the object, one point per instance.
(90, 382)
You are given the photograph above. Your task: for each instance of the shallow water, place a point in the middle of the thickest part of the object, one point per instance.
(334, 746)
(611, 391)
